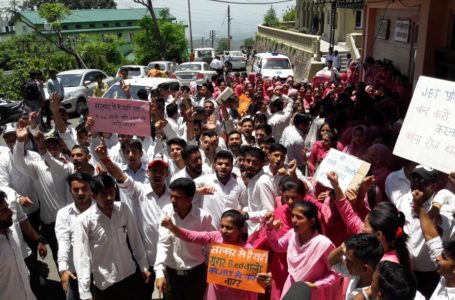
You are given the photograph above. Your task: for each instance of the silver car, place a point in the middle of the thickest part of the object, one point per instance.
(198, 72)
(79, 85)
(148, 83)
(136, 71)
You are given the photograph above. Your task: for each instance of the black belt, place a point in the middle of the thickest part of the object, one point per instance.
(186, 272)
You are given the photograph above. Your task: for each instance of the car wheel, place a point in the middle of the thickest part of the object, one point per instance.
(81, 105)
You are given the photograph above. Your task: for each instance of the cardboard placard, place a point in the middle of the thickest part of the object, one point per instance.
(428, 132)
(350, 170)
(236, 267)
(122, 116)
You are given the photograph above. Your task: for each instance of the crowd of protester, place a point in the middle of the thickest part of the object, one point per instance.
(125, 214)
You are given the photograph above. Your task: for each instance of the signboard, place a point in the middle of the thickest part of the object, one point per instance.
(383, 29)
(120, 116)
(402, 30)
(350, 170)
(428, 132)
(236, 267)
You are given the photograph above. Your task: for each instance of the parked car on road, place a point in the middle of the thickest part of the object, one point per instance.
(273, 64)
(78, 85)
(204, 54)
(199, 72)
(165, 66)
(136, 71)
(148, 83)
(238, 60)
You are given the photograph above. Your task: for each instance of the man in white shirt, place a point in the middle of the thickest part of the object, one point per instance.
(260, 188)
(397, 184)
(223, 190)
(281, 115)
(193, 164)
(14, 279)
(216, 65)
(293, 138)
(79, 184)
(183, 261)
(175, 150)
(102, 236)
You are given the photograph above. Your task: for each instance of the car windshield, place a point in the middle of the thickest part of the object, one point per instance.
(236, 53)
(189, 67)
(276, 63)
(204, 53)
(134, 71)
(116, 92)
(70, 80)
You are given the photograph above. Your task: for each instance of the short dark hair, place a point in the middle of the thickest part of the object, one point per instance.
(224, 154)
(366, 247)
(177, 141)
(267, 140)
(172, 109)
(79, 176)
(266, 127)
(396, 281)
(133, 143)
(238, 219)
(142, 94)
(209, 134)
(233, 132)
(184, 185)
(101, 182)
(277, 147)
(278, 104)
(3, 196)
(244, 120)
(260, 117)
(185, 88)
(82, 147)
(189, 149)
(244, 149)
(255, 152)
(302, 118)
(449, 247)
(288, 183)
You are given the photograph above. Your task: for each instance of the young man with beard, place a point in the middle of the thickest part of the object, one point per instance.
(234, 141)
(183, 261)
(103, 236)
(147, 201)
(14, 279)
(260, 188)
(79, 184)
(193, 164)
(223, 190)
(247, 132)
(209, 146)
(293, 138)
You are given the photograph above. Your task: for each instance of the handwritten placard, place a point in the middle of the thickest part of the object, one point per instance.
(350, 169)
(120, 116)
(428, 132)
(236, 267)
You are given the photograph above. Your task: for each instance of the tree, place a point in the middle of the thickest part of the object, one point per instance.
(248, 43)
(290, 14)
(222, 45)
(53, 13)
(146, 48)
(71, 4)
(155, 26)
(270, 18)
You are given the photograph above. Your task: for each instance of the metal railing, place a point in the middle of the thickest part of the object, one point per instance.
(306, 42)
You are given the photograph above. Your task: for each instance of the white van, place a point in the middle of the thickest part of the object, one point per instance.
(273, 64)
(204, 54)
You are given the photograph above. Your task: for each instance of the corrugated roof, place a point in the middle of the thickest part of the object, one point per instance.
(95, 15)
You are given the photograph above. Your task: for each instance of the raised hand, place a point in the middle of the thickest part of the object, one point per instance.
(21, 131)
(166, 222)
(333, 178)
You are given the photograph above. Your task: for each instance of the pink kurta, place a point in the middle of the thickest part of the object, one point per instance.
(215, 291)
(308, 262)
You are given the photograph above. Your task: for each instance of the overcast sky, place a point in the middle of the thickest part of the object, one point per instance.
(208, 15)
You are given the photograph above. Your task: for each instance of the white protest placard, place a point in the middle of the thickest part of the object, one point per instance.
(350, 169)
(428, 132)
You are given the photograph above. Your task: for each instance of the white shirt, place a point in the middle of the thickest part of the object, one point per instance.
(261, 196)
(147, 212)
(64, 231)
(101, 248)
(294, 141)
(216, 64)
(397, 185)
(12, 178)
(280, 120)
(231, 195)
(14, 276)
(176, 253)
(50, 181)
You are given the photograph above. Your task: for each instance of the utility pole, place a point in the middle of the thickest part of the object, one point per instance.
(212, 37)
(229, 28)
(202, 42)
(191, 29)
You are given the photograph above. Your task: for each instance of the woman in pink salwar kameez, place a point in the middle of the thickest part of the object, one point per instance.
(231, 225)
(307, 253)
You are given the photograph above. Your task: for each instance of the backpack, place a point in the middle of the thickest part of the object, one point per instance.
(30, 90)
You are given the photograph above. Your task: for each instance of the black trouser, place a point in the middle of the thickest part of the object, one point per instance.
(131, 287)
(46, 111)
(35, 221)
(151, 285)
(48, 231)
(187, 285)
(33, 268)
(427, 282)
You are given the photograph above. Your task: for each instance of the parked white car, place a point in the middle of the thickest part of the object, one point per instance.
(273, 64)
(148, 83)
(79, 85)
(199, 72)
(165, 66)
(238, 60)
(136, 71)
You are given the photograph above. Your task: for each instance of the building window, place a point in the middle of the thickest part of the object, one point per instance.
(129, 23)
(64, 27)
(78, 26)
(117, 24)
(105, 24)
(24, 28)
(359, 19)
(91, 25)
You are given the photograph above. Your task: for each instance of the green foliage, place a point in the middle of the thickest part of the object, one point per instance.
(290, 14)
(222, 45)
(53, 13)
(248, 43)
(71, 4)
(146, 47)
(270, 18)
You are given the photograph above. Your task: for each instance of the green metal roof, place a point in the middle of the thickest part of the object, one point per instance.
(95, 15)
